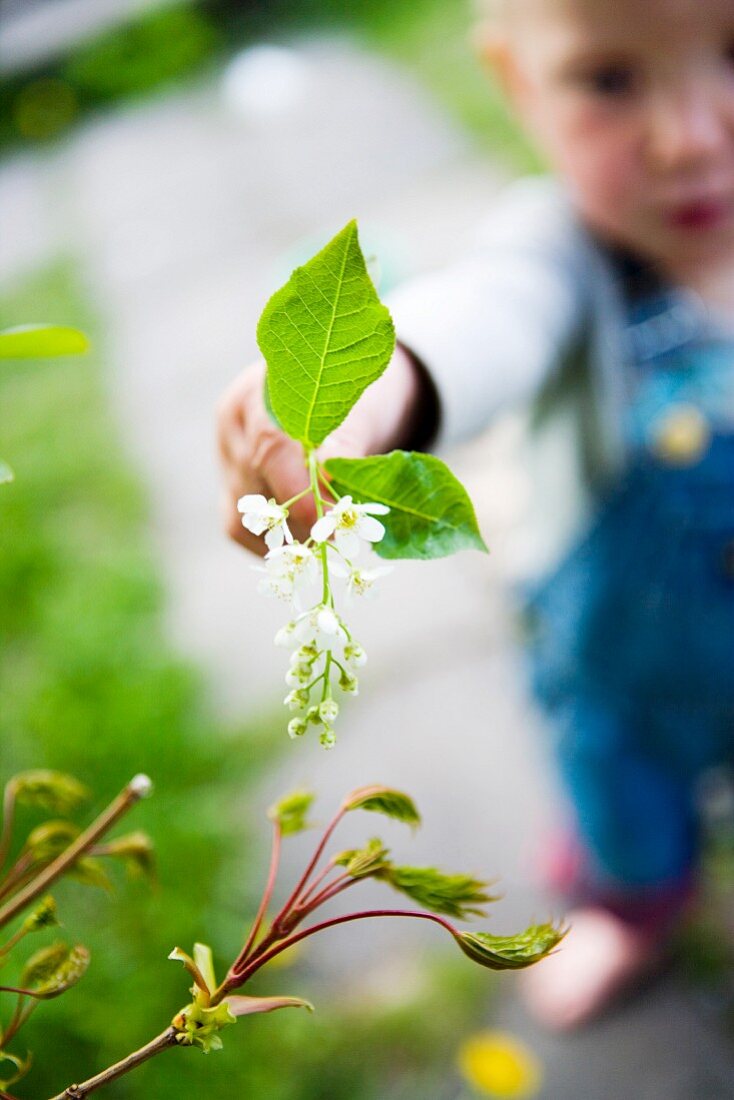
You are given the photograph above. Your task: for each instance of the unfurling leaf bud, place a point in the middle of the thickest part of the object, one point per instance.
(136, 850)
(55, 792)
(290, 812)
(47, 841)
(43, 916)
(360, 862)
(510, 952)
(383, 800)
(53, 970)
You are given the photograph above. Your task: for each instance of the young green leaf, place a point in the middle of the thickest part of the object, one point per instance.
(510, 952)
(53, 970)
(359, 862)
(90, 872)
(325, 337)
(49, 790)
(290, 812)
(455, 895)
(430, 515)
(41, 342)
(383, 800)
(178, 955)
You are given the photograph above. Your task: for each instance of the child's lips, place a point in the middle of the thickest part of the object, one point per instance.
(699, 214)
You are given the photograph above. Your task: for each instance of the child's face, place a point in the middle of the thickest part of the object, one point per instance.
(633, 101)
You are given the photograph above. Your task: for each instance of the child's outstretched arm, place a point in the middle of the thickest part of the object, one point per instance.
(258, 458)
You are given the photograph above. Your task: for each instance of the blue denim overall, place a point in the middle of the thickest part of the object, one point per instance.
(633, 641)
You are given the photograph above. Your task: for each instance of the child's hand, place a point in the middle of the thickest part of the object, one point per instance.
(258, 458)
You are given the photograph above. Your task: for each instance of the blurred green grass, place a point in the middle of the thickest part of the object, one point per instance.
(89, 683)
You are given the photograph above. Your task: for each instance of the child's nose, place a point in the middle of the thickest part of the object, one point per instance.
(687, 129)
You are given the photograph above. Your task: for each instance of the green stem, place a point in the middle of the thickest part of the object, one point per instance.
(119, 806)
(297, 497)
(14, 939)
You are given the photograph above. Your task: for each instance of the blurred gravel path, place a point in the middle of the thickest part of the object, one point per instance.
(185, 213)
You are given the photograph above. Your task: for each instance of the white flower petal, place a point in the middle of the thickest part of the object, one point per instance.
(274, 537)
(347, 542)
(374, 509)
(252, 502)
(327, 621)
(370, 529)
(324, 527)
(254, 523)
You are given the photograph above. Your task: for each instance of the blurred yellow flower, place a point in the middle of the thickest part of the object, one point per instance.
(497, 1064)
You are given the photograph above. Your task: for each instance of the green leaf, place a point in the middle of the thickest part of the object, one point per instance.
(430, 515)
(53, 970)
(510, 952)
(290, 812)
(6, 473)
(48, 790)
(383, 800)
(248, 1006)
(359, 862)
(455, 895)
(41, 342)
(325, 337)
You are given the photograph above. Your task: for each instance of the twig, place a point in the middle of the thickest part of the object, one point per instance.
(136, 789)
(161, 1042)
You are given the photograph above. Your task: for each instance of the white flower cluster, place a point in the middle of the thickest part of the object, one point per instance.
(300, 573)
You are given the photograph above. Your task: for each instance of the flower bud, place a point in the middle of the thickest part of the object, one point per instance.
(297, 699)
(328, 710)
(296, 727)
(328, 739)
(313, 716)
(354, 655)
(349, 684)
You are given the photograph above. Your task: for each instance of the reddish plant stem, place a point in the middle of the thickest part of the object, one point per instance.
(316, 882)
(236, 980)
(336, 887)
(267, 894)
(298, 888)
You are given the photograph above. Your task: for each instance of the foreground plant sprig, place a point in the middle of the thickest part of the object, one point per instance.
(217, 1005)
(326, 337)
(52, 850)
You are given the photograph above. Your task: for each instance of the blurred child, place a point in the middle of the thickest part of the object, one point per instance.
(607, 291)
